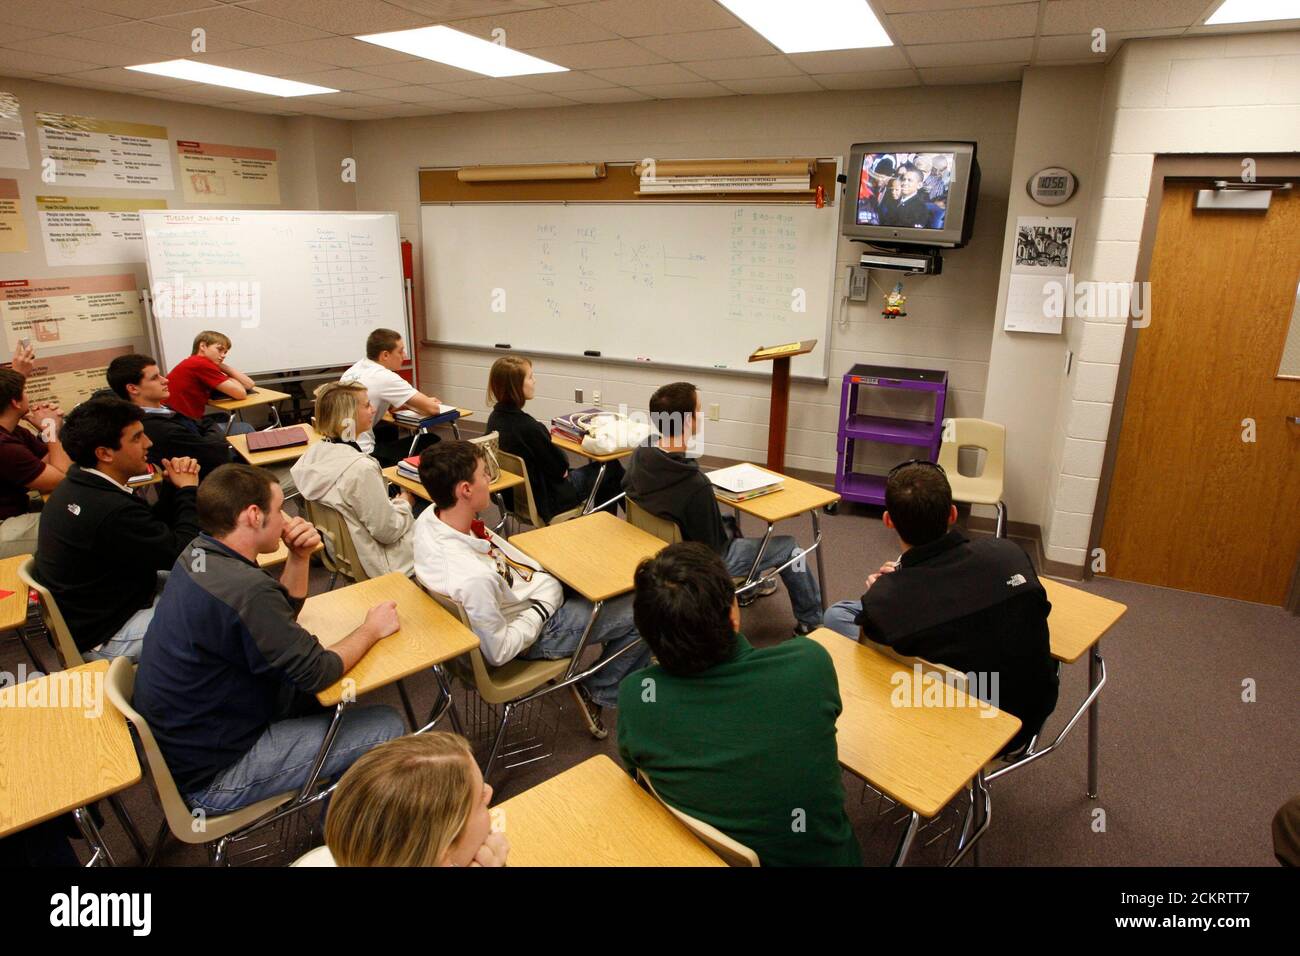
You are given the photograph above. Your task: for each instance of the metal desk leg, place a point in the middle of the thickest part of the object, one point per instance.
(758, 557)
(93, 840)
(905, 843)
(1094, 673)
(455, 431)
(582, 643)
(821, 564)
(321, 754)
(275, 413)
(591, 498)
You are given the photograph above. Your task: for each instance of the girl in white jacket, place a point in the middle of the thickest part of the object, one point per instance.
(336, 473)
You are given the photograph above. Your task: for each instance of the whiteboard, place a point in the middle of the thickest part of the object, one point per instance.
(293, 290)
(694, 284)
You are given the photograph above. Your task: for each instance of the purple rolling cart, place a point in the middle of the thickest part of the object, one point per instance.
(854, 427)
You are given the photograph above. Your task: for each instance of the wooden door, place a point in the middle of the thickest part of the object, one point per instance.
(1193, 505)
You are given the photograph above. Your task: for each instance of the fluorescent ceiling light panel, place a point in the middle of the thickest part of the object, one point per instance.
(445, 45)
(811, 26)
(235, 79)
(1253, 11)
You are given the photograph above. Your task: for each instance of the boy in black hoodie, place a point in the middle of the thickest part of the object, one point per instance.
(664, 480)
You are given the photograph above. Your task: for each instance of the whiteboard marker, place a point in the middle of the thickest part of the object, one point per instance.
(719, 366)
(642, 358)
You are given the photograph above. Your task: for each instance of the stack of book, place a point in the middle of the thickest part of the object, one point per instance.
(410, 468)
(409, 416)
(742, 482)
(571, 426)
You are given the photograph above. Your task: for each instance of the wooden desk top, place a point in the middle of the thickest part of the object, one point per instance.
(280, 555)
(919, 756)
(262, 396)
(576, 447)
(280, 455)
(507, 480)
(596, 554)
(795, 498)
(13, 608)
(594, 814)
(58, 758)
(1078, 619)
(428, 635)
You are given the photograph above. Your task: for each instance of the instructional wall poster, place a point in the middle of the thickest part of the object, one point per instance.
(56, 315)
(68, 380)
(13, 231)
(93, 230)
(228, 175)
(97, 152)
(13, 138)
(1039, 274)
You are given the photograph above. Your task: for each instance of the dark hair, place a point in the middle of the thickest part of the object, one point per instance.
(670, 407)
(682, 607)
(97, 423)
(11, 387)
(381, 340)
(444, 466)
(919, 500)
(506, 380)
(127, 370)
(225, 493)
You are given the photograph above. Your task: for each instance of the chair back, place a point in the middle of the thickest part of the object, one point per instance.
(732, 851)
(665, 529)
(340, 554)
(975, 433)
(52, 617)
(521, 502)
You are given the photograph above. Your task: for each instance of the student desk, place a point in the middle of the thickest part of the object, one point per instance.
(420, 429)
(569, 445)
(594, 814)
(277, 457)
(919, 756)
(795, 498)
(259, 396)
(280, 555)
(427, 637)
(596, 555)
(63, 750)
(1077, 622)
(507, 480)
(13, 605)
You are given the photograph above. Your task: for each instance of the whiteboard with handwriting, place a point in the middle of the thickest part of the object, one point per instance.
(695, 284)
(293, 290)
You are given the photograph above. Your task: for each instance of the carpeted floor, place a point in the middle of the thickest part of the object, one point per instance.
(1190, 773)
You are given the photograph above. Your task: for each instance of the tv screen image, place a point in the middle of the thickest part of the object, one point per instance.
(909, 190)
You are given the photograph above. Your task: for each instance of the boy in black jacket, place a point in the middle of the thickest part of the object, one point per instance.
(101, 548)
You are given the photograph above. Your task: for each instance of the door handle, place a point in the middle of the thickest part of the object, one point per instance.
(1293, 419)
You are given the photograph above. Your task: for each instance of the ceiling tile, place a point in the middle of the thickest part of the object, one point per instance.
(76, 48)
(708, 44)
(647, 75)
(772, 84)
(616, 94)
(345, 17)
(673, 91)
(163, 42)
(40, 63)
(421, 71)
(1078, 16)
(341, 51)
(969, 54)
(411, 109)
(909, 6)
(342, 79)
(242, 26)
(983, 23)
(344, 113)
(957, 75)
(591, 56)
(53, 16)
(850, 61)
(489, 88)
(468, 105)
(261, 60)
(145, 9)
(358, 100)
(414, 94)
(637, 18)
(536, 28)
(13, 33)
(746, 67)
(444, 11)
(561, 82)
(532, 101)
(867, 80)
(1077, 48)
(128, 79)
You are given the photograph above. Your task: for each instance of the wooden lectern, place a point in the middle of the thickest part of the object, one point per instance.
(780, 356)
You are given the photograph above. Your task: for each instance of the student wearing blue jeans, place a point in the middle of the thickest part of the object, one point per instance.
(228, 676)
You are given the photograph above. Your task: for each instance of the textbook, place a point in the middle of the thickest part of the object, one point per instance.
(573, 426)
(409, 468)
(744, 481)
(277, 438)
(409, 416)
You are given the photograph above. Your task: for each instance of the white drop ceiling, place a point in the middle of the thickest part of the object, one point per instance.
(618, 50)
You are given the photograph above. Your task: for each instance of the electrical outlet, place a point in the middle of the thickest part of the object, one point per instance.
(715, 412)
(577, 395)
(595, 396)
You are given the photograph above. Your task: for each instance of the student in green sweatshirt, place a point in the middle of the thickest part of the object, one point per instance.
(740, 737)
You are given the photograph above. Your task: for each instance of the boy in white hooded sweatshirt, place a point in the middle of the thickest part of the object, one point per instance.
(515, 607)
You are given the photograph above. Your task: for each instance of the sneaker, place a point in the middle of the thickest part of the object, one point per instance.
(766, 587)
(591, 712)
(803, 630)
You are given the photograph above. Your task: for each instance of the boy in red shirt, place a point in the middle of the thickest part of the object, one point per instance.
(193, 380)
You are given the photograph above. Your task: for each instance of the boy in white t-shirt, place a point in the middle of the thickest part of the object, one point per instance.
(385, 354)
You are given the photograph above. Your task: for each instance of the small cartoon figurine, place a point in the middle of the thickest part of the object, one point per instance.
(894, 302)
